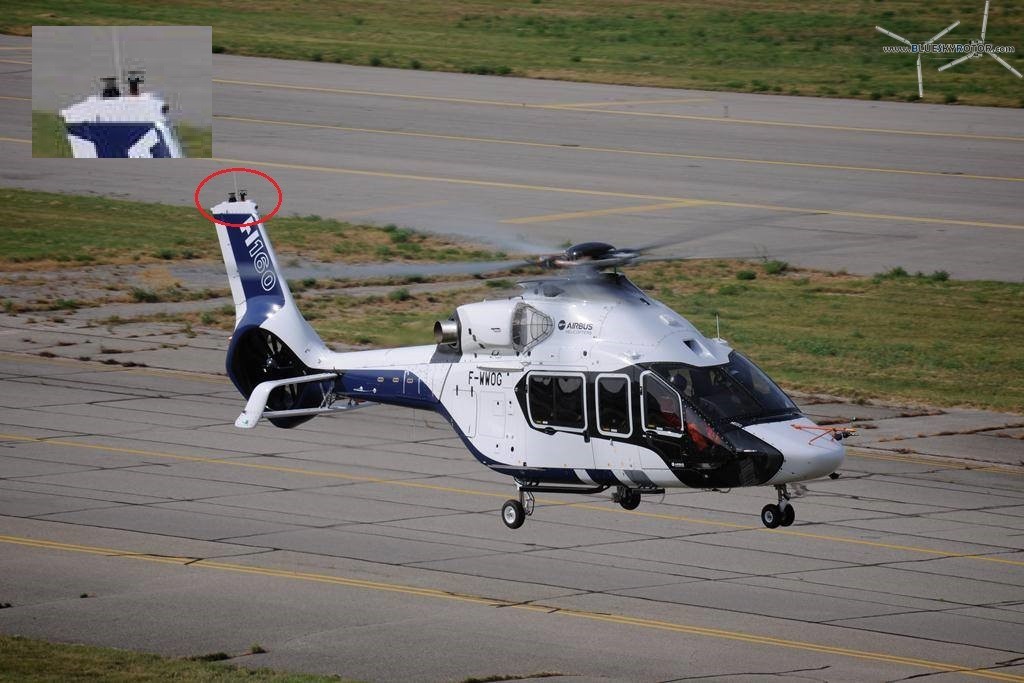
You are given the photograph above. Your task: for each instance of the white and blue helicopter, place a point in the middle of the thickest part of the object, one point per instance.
(580, 383)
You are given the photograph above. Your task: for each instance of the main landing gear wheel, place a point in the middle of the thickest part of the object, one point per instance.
(788, 516)
(783, 514)
(513, 514)
(629, 499)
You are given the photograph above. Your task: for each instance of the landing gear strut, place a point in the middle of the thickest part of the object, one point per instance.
(514, 512)
(783, 514)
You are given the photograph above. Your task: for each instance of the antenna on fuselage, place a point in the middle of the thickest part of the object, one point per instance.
(718, 328)
(117, 57)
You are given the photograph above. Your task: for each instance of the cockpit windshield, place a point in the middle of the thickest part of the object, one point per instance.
(737, 390)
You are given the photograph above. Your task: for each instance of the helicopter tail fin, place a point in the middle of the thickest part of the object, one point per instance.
(272, 342)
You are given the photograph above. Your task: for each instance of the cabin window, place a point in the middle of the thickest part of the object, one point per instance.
(614, 405)
(529, 327)
(557, 400)
(662, 407)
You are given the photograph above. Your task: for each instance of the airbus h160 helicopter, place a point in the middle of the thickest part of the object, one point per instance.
(580, 383)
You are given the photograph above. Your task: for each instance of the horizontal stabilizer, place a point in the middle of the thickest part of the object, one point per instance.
(256, 406)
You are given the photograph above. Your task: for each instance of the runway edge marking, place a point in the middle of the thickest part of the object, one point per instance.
(625, 620)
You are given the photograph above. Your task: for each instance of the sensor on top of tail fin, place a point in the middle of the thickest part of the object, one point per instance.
(117, 125)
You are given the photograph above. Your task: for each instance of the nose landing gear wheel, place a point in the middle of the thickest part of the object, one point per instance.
(513, 514)
(783, 514)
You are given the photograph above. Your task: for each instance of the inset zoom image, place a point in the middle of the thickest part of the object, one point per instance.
(139, 92)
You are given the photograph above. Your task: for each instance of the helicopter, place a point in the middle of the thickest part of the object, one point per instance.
(578, 384)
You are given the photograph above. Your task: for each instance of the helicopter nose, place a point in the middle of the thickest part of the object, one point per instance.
(806, 455)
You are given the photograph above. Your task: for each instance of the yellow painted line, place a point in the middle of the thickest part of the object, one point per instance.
(473, 492)
(12, 97)
(391, 207)
(600, 212)
(630, 103)
(253, 466)
(617, 150)
(557, 107)
(14, 61)
(936, 461)
(626, 195)
(806, 534)
(401, 96)
(103, 367)
(21, 140)
(619, 619)
(815, 126)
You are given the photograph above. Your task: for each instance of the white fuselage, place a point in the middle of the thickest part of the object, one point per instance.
(576, 340)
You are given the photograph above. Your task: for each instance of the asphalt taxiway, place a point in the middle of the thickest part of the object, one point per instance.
(371, 546)
(839, 184)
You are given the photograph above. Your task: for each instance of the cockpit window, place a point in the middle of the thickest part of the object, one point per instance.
(765, 391)
(737, 389)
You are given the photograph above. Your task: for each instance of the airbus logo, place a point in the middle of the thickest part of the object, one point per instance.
(575, 328)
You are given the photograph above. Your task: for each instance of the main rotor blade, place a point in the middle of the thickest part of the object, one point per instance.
(920, 81)
(1003, 62)
(942, 32)
(984, 22)
(893, 35)
(651, 246)
(956, 61)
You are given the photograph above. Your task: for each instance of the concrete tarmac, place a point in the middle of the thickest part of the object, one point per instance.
(370, 545)
(856, 185)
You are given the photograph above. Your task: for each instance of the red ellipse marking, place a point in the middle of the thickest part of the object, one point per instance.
(264, 219)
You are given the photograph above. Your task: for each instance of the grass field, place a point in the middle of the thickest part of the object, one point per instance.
(920, 338)
(49, 138)
(28, 660)
(45, 229)
(815, 48)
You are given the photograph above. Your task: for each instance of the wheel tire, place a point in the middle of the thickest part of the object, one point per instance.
(788, 516)
(630, 500)
(513, 514)
(771, 516)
